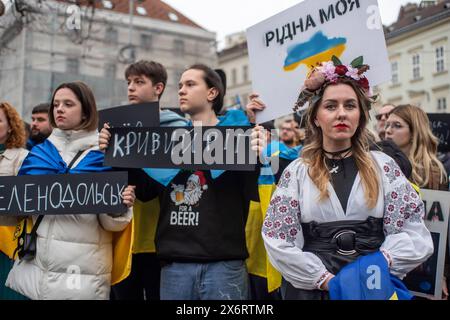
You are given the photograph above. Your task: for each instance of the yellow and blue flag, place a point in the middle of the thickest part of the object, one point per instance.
(314, 51)
(367, 278)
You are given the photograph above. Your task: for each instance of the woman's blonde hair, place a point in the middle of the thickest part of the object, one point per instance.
(17, 136)
(314, 156)
(424, 145)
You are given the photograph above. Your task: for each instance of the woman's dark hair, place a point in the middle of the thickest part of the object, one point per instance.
(213, 80)
(88, 106)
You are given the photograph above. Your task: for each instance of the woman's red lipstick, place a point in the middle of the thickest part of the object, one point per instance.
(341, 126)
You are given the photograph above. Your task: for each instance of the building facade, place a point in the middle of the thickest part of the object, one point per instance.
(45, 43)
(233, 59)
(419, 53)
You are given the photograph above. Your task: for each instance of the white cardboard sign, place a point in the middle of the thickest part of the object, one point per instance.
(426, 279)
(284, 47)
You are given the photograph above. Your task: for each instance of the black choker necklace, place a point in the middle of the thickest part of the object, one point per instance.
(338, 154)
(337, 159)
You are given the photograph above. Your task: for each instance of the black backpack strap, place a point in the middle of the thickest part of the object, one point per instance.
(78, 155)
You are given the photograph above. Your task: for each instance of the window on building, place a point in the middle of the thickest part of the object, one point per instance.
(416, 66)
(141, 10)
(72, 66)
(442, 104)
(245, 73)
(178, 47)
(394, 71)
(107, 4)
(233, 77)
(172, 16)
(110, 71)
(440, 58)
(111, 35)
(147, 41)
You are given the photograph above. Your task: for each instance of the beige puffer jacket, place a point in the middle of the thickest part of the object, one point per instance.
(74, 252)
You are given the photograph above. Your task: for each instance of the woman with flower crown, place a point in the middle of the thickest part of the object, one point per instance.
(341, 202)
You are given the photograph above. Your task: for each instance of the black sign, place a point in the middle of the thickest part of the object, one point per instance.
(93, 193)
(440, 125)
(134, 115)
(190, 148)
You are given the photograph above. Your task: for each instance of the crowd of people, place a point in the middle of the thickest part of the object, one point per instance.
(340, 195)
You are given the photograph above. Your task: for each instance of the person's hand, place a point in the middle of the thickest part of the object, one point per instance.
(104, 137)
(128, 196)
(324, 285)
(259, 141)
(255, 105)
(444, 289)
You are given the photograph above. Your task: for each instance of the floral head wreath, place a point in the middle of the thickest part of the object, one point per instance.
(332, 72)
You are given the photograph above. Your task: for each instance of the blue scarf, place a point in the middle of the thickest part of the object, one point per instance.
(367, 278)
(231, 118)
(45, 159)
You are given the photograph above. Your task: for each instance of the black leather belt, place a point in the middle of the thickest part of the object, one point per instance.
(340, 242)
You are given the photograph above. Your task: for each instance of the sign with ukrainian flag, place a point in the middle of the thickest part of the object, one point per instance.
(285, 47)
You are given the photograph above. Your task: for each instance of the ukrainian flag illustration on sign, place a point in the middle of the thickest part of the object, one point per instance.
(314, 51)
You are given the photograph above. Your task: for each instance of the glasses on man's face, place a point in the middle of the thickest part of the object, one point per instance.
(393, 125)
(381, 116)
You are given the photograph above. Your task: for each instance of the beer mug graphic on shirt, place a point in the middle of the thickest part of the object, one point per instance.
(179, 196)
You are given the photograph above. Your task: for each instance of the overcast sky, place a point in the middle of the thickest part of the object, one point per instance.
(228, 16)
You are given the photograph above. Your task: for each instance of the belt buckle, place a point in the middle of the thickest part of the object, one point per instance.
(345, 233)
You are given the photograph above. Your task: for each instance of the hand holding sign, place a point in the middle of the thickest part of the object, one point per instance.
(128, 196)
(259, 141)
(254, 106)
(104, 137)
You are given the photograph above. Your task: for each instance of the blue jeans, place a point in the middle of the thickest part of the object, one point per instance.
(223, 280)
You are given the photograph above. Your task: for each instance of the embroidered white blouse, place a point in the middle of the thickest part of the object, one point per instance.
(407, 242)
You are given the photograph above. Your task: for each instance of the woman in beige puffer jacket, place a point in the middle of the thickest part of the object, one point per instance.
(74, 253)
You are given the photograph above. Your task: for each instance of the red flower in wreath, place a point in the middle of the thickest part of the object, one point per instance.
(341, 70)
(364, 83)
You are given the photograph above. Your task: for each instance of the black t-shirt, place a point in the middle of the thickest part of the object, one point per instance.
(343, 175)
(201, 219)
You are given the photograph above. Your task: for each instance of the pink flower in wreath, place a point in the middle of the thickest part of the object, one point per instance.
(353, 73)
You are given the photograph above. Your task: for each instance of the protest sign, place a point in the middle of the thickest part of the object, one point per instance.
(440, 125)
(134, 115)
(283, 48)
(61, 194)
(190, 148)
(426, 280)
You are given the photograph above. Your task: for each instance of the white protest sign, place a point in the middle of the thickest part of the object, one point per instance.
(284, 47)
(426, 280)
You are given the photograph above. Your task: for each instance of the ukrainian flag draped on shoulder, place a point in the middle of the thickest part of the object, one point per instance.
(45, 159)
(258, 263)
